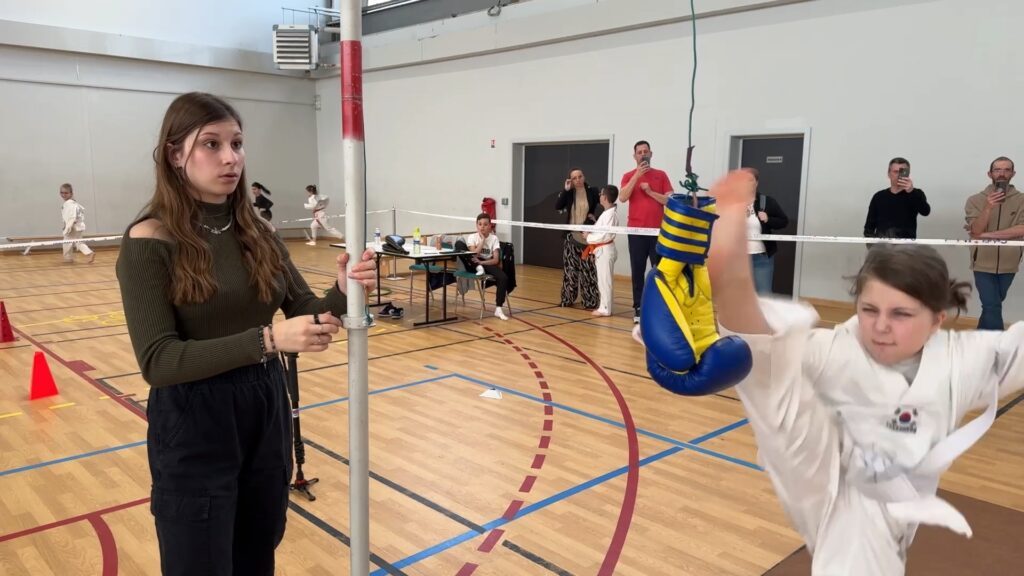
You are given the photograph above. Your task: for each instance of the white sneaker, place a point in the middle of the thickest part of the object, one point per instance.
(311, 243)
(479, 270)
(500, 313)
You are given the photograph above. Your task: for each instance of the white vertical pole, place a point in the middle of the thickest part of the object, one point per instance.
(353, 155)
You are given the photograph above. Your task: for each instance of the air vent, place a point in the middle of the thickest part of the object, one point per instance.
(296, 47)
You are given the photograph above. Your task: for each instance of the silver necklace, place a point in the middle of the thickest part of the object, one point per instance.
(219, 231)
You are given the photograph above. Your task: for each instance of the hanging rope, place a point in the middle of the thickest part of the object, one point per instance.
(690, 184)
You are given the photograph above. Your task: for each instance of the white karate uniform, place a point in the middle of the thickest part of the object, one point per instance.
(853, 451)
(73, 215)
(604, 257)
(318, 204)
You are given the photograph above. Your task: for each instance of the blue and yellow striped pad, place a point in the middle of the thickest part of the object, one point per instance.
(686, 230)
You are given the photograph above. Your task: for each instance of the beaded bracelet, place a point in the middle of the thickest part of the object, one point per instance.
(270, 330)
(263, 346)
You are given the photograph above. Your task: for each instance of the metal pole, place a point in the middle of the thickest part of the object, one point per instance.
(394, 230)
(357, 319)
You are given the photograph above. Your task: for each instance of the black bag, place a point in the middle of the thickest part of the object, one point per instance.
(393, 243)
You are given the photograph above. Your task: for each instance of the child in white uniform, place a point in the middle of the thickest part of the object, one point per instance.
(73, 216)
(856, 424)
(318, 205)
(602, 245)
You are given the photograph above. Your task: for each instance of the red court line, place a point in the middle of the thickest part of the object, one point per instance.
(611, 558)
(491, 540)
(108, 548)
(512, 510)
(466, 569)
(71, 520)
(528, 484)
(71, 365)
(495, 535)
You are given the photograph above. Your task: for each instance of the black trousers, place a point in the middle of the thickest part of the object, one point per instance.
(641, 249)
(500, 279)
(221, 458)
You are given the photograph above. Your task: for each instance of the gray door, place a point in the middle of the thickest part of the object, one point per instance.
(546, 166)
(780, 163)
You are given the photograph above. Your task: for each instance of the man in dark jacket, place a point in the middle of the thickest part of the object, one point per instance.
(893, 211)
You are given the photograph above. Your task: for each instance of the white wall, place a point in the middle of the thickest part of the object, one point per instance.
(239, 24)
(933, 81)
(93, 121)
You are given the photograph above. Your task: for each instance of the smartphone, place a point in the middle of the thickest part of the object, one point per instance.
(904, 172)
(646, 159)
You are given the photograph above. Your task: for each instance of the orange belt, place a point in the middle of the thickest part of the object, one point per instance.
(591, 247)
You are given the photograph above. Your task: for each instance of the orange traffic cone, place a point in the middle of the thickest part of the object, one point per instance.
(43, 385)
(6, 332)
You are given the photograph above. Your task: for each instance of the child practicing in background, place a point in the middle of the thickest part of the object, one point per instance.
(855, 424)
(73, 215)
(261, 201)
(602, 245)
(488, 256)
(318, 204)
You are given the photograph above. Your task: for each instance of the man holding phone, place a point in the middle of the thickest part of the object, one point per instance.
(647, 190)
(995, 213)
(893, 211)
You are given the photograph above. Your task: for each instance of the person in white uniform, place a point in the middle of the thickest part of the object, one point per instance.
(318, 204)
(73, 216)
(602, 246)
(855, 424)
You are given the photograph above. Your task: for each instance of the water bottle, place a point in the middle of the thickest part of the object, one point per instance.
(376, 239)
(416, 240)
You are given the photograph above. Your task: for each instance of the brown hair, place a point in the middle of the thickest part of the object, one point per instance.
(67, 186)
(311, 188)
(992, 166)
(192, 278)
(916, 270)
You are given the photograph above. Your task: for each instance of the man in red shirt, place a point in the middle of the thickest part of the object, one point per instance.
(647, 190)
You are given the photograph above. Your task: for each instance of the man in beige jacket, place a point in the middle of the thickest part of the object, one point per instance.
(995, 213)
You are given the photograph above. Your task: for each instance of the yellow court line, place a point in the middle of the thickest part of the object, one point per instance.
(65, 405)
(2, 416)
(104, 397)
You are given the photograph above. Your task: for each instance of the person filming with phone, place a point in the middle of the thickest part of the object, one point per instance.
(995, 213)
(893, 211)
(647, 190)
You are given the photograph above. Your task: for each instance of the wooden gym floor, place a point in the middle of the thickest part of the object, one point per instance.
(584, 466)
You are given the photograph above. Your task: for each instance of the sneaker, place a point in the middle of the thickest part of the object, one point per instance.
(636, 316)
(92, 258)
(500, 313)
(311, 243)
(479, 270)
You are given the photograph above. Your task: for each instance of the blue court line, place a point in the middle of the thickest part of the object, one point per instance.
(497, 522)
(687, 445)
(70, 458)
(143, 442)
(500, 521)
(375, 392)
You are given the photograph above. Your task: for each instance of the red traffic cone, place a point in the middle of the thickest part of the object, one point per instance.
(6, 332)
(43, 385)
